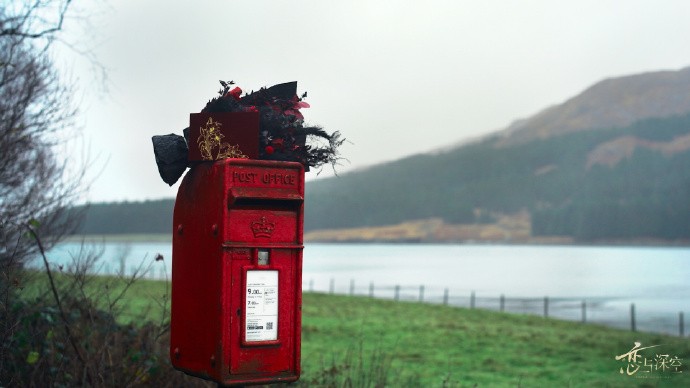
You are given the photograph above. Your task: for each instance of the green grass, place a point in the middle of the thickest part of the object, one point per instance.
(143, 300)
(413, 344)
(434, 345)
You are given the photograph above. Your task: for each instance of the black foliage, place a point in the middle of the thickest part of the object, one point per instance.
(220, 104)
(282, 134)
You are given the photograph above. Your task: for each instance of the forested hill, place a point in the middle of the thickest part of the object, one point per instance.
(560, 170)
(614, 183)
(129, 217)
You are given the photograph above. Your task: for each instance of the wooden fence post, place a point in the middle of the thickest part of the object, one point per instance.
(473, 301)
(633, 326)
(681, 324)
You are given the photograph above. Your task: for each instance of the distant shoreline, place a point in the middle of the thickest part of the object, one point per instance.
(131, 238)
(167, 238)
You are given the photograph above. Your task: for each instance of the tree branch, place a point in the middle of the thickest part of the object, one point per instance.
(17, 30)
(56, 296)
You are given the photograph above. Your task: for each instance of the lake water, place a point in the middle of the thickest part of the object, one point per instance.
(607, 279)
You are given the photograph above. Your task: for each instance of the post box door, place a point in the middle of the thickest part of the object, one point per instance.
(264, 331)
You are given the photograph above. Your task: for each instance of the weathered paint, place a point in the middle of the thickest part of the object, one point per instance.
(225, 212)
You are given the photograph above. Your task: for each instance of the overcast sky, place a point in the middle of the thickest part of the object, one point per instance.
(395, 77)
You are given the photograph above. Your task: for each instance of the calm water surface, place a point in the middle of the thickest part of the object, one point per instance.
(513, 270)
(656, 279)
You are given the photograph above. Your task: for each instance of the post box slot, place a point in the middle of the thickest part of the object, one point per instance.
(266, 203)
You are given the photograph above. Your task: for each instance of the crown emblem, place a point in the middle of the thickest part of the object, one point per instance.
(262, 227)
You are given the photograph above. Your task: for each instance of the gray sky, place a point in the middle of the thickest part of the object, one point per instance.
(395, 77)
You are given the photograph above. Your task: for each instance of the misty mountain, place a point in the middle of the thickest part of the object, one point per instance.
(610, 163)
(611, 103)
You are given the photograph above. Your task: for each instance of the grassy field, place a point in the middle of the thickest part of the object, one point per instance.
(357, 341)
(430, 345)
(415, 344)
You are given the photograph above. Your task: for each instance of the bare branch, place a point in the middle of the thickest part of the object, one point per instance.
(56, 296)
(18, 24)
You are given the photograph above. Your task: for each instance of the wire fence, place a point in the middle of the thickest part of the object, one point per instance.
(614, 312)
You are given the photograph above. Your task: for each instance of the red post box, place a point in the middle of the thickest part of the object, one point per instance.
(237, 272)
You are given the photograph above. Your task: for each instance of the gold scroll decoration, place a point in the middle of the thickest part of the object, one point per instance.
(210, 139)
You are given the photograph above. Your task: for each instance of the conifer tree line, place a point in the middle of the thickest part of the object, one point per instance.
(645, 195)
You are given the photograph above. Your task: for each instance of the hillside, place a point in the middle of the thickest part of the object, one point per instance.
(611, 164)
(611, 103)
(614, 183)
(128, 217)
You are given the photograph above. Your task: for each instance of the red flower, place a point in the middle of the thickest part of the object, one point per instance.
(251, 108)
(235, 93)
(269, 150)
(296, 106)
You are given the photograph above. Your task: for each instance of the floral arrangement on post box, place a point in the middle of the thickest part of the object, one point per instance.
(265, 124)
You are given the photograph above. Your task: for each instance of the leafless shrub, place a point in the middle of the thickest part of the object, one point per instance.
(36, 116)
(69, 329)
